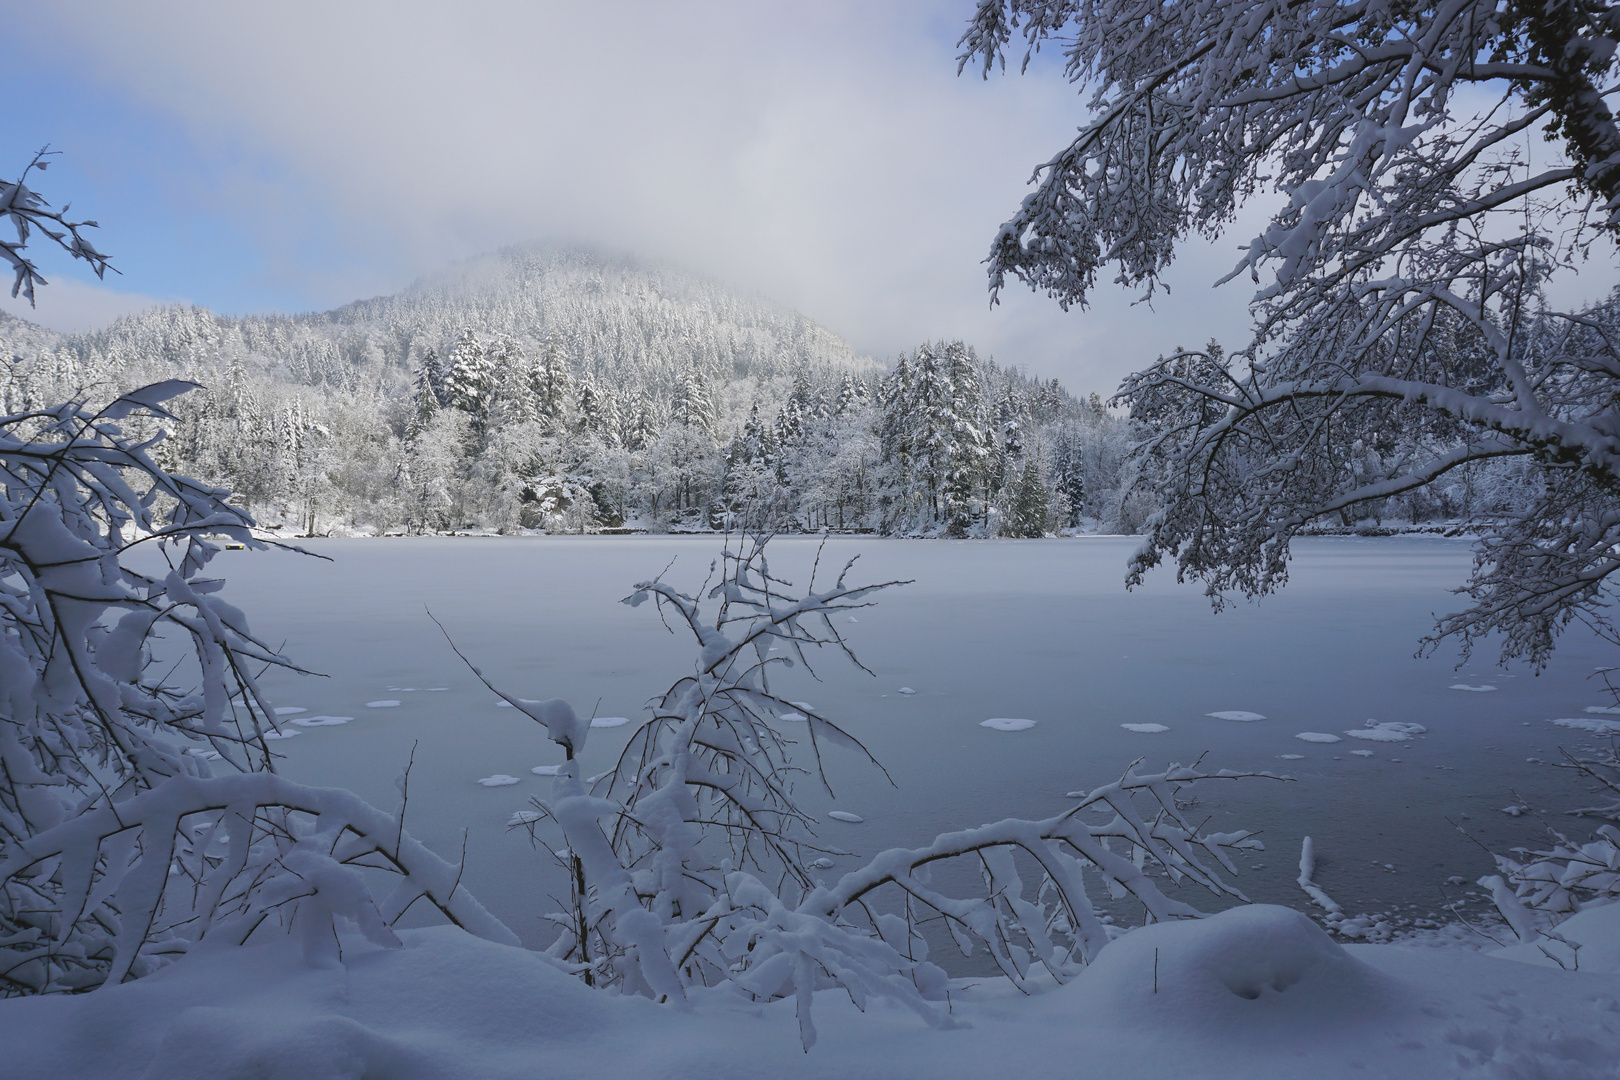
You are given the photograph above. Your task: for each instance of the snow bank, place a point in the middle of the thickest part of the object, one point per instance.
(1253, 992)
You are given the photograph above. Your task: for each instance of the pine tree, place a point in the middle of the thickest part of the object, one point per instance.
(425, 403)
(552, 385)
(852, 394)
(470, 382)
(1071, 483)
(1029, 509)
(692, 404)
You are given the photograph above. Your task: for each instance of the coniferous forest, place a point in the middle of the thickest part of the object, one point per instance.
(570, 392)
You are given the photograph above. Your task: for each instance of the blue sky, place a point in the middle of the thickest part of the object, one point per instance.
(296, 156)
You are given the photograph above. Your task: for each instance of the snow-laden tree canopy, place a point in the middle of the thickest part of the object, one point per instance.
(1438, 163)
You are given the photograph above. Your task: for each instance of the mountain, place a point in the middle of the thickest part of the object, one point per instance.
(567, 389)
(621, 322)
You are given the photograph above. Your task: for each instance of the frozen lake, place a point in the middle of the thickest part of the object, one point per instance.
(1035, 630)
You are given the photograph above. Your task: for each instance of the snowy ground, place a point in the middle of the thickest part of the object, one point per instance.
(1256, 993)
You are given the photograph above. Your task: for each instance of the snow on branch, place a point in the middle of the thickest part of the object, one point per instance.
(690, 861)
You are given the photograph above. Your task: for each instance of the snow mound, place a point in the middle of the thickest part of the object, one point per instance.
(1146, 729)
(1587, 723)
(1292, 757)
(1596, 931)
(321, 721)
(545, 770)
(1389, 731)
(610, 721)
(1362, 753)
(907, 690)
(1007, 723)
(385, 703)
(845, 815)
(498, 780)
(1475, 689)
(1247, 969)
(1238, 715)
(1317, 737)
(290, 710)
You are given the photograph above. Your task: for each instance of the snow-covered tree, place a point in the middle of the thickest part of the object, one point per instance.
(1401, 328)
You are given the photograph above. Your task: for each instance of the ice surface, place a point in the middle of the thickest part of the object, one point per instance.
(290, 710)
(1146, 729)
(321, 721)
(1336, 645)
(498, 780)
(1389, 731)
(844, 815)
(1475, 689)
(1007, 723)
(907, 690)
(1317, 737)
(545, 770)
(1587, 723)
(610, 721)
(1236, 714)
(385, 703)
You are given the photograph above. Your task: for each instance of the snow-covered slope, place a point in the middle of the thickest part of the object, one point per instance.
(1255, 993)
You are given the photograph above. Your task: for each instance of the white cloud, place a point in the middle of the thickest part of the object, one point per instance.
(826, 155)
(68, 306)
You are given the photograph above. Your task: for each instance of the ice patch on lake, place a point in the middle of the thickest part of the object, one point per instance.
(1146, 729)
(1612, 710)
(1475, 689)
(1362, 753)
(322, 721)
(385, 703)
(1292, 757)
(282, 734)
(610, 721)
(1387, 732)
(1007, 723)
(1236, 714)
(794, 717)
(845, 815)
(545, 770)
(498, 780)
(1316, 737)
(1586, 723)
(290, 710)
(907, 690)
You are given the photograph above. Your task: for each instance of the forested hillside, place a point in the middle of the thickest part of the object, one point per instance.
(565, 390)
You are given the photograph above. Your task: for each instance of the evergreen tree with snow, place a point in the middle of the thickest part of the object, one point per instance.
(692, 404)
(470, 381)
(1028, 509)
